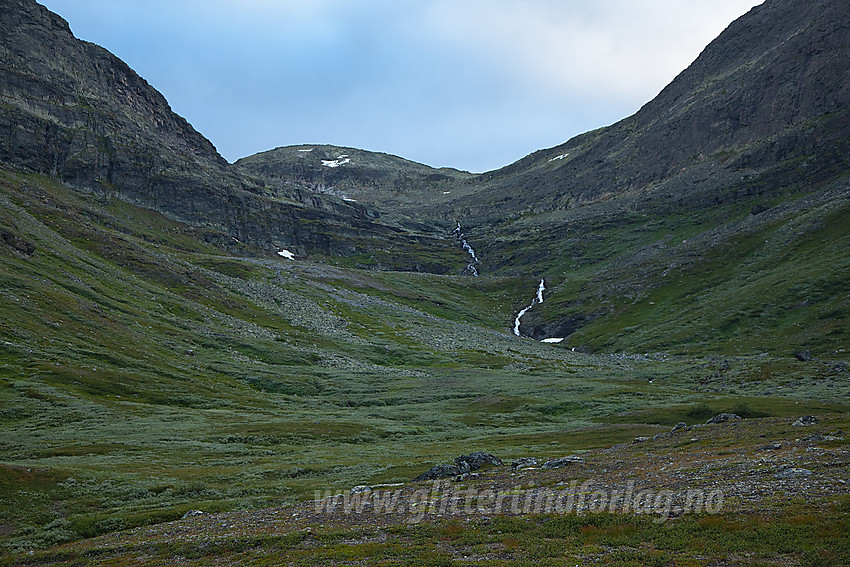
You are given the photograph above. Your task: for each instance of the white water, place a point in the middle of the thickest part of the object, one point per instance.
(538, 299)
(458, 232)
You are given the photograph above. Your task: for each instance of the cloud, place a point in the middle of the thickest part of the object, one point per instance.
(472, 84)
(609, 48)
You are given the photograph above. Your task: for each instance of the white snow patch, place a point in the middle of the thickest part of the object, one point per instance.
(562, 156)
(286, 254)
(446, 192)
(308, 150)
(349, 200)
(340, 160)
(553, 340)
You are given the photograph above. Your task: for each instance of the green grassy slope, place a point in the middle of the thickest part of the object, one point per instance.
(144, 372)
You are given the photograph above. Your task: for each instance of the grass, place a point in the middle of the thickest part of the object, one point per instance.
(145, 373)
(801, 536)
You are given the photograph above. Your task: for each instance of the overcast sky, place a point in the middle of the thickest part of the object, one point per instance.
(471, 84)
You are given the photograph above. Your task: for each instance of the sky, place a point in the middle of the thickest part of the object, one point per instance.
(469, 84)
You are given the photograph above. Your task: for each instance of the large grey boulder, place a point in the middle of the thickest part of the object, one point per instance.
(723, 417)
(475, 461)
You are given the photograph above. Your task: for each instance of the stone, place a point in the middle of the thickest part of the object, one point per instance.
(804, 356)
(192, 514)
(562, 462)
(640, 439)
(723, 417)
(679, 427)
(792, 472)
(524, 463)
(441, 471)
(805, 420)
(475, 461)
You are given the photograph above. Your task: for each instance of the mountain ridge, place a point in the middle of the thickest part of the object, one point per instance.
(73, 110)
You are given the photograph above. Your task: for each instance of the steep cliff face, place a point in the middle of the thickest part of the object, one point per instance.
(71, 109)
(775, 86)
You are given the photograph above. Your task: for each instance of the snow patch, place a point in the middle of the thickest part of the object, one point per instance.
(562, 156)
(446, 192)
(349, 200)
(286, 254)
(553, 340)
(340, 160)
(308, 150)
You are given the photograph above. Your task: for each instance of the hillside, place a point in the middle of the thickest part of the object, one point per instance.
(74, 111)
(390, 184)
(714, 218)
(181, 336)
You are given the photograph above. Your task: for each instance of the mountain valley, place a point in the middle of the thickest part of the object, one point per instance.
(182, 337)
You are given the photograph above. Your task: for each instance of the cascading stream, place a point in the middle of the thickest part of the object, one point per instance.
(458, 232)
(538, 299)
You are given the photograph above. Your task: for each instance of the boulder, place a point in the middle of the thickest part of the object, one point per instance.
(475, 461)
(792, 472)
(723, 417)
(805, 420)
(562, 462)
(804, 356)
(524, 463)
(679, 427)
(441, 471)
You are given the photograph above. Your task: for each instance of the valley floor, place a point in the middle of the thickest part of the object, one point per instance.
(749, 492)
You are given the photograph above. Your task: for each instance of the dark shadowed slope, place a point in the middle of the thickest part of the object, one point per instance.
(72, 110)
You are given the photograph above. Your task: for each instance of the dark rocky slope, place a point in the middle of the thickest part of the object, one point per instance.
(73, 110)
(393, 185)
(774, 87)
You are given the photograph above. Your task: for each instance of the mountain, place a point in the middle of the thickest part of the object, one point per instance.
(384, 182)
(772, 89)
(74, 111)
(715, 215)
(158, 358)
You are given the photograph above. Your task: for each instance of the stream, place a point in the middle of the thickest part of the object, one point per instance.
(470, 268)
(538, 299)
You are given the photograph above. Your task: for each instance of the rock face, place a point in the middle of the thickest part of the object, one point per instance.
(72, 110)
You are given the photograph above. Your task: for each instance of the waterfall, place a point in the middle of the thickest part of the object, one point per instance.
(458, 232)
(538, 299)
